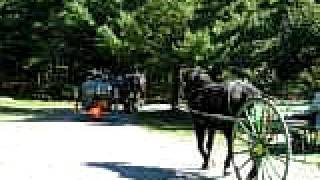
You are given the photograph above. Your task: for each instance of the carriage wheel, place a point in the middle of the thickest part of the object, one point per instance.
(261, 148)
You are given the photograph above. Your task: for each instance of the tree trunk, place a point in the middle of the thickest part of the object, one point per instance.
(175, 87)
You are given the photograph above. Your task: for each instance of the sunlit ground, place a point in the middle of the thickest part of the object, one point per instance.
(156, 123)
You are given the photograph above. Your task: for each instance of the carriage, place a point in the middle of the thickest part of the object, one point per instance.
(95, 98)
(303, 118)
(261, 141)
(100, 95)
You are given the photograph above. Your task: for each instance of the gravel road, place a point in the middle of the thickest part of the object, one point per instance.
(115, 149)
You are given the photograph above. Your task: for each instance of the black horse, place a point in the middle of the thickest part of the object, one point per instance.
(223, 98)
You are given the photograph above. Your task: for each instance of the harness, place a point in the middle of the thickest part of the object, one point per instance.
(239, 87)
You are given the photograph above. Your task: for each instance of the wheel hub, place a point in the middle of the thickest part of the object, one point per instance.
(259, 150)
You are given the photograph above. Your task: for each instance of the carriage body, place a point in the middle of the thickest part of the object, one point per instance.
(102, 96)
(303, 118)
(96, 98)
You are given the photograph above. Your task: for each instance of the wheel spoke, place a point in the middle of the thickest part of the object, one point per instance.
(267, 171)
(243, 139)
(245, 163)
(246, 129)
(262, 170)
(273, 168)
(253, 173)
(242, 151)
(267, 120)
(280, 159)
(253, 129)
(262, 125)
(256, 123)
(237, 171)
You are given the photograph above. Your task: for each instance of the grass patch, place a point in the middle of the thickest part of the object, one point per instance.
(26, 114)
(16, 110)
(8, 113)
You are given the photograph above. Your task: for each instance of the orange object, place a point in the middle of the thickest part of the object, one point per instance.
(96, 112)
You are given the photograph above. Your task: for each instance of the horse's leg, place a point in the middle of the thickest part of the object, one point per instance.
(228, 134)
(200, 135)
(210, 141)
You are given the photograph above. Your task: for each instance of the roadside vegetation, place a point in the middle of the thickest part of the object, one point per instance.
(19, 110)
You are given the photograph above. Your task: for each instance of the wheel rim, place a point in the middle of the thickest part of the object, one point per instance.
(261, 146)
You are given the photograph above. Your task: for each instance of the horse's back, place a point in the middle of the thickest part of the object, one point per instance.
(211, 98)
(216, 98)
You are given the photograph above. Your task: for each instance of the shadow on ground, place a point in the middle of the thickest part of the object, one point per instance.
(126, 170)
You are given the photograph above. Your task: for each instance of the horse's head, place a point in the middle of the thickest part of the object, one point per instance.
(199, 78)
(194, 79)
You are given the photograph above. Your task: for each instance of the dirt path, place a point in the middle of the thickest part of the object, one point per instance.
(103, 151)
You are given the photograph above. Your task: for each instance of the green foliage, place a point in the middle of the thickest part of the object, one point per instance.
(234, 34)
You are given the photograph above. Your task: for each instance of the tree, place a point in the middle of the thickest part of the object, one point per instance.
(239, 36)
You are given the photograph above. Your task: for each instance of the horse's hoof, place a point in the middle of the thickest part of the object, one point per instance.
(251, 176)
(226, 172)
(205, 166)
